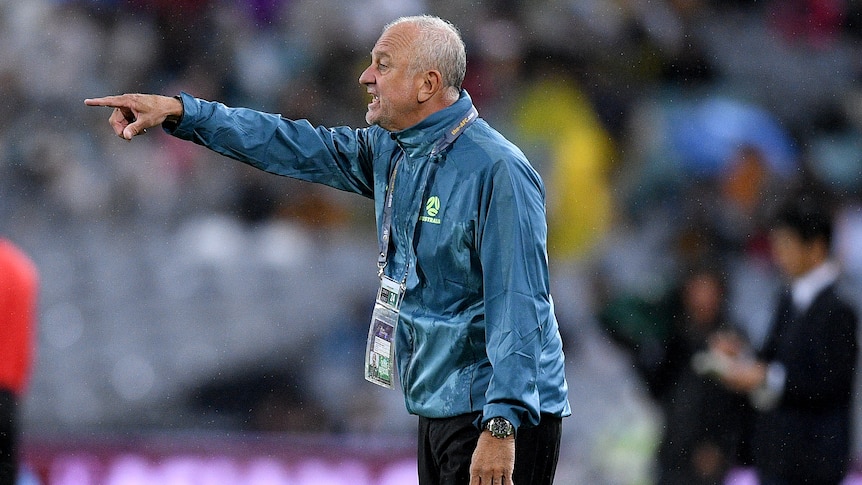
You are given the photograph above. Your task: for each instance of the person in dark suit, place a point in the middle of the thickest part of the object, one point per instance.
(801, 381)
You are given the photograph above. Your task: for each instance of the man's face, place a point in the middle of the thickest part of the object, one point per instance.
(393, 88)
(791, 254)
(702, 296)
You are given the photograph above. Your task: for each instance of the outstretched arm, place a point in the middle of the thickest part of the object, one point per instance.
(134, 113)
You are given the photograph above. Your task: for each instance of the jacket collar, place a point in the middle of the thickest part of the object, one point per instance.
(419, 139)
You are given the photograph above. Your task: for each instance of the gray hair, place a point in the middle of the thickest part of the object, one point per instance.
(438, 46)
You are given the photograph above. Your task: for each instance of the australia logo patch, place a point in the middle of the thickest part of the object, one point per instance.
(432, 209)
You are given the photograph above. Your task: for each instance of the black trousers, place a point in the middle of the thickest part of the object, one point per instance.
(8, 438)
(446, 449)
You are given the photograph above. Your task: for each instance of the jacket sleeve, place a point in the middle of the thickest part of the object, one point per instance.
(339, 157)
(513, 253)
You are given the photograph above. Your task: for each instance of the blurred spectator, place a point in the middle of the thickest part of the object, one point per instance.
(579, 158)
(701, 419)
(701, 424)
(18, 293)
(815, 22)
(801, 380)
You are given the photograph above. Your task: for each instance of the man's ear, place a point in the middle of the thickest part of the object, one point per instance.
(432, 83)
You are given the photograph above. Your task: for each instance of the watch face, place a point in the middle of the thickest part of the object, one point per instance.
(500, 428)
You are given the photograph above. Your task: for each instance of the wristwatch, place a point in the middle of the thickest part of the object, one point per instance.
(500, 427)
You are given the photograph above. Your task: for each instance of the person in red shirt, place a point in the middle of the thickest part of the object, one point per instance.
(18, 293)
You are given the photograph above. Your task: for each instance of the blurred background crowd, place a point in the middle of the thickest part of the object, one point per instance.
(184, 291)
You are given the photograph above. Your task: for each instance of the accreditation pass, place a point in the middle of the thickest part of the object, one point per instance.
(380, 349)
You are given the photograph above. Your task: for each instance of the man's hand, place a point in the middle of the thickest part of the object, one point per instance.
(744, 375)
(493, 460)
(741, 372)
(134, 113)
(728, 343)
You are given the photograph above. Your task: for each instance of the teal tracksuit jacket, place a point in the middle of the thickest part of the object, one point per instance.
(477, 331)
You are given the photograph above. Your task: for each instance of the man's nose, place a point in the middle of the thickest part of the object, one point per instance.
(366, 77)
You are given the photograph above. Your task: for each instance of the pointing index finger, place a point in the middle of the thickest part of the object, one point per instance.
(111, 101)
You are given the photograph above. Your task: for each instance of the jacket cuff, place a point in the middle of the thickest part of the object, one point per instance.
(766, 397)
(510, 413)
(181, 128)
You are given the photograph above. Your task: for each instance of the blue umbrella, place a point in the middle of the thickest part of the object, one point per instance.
(705, 135)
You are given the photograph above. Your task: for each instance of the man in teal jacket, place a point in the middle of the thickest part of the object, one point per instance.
(462, 229)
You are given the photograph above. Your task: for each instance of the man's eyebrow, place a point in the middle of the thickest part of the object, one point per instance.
(380, 54)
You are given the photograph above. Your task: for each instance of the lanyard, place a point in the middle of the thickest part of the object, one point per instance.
(448, 138)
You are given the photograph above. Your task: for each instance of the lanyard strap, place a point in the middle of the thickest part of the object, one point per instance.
(386, 236)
